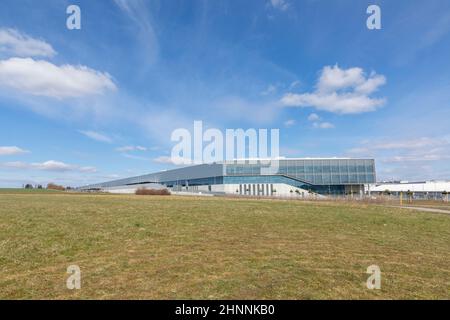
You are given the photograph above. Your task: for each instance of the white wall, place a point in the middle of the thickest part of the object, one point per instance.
(429, 186)
(282, 190)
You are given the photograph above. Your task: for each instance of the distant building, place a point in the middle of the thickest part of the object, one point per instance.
(419, 190)
(291, 177)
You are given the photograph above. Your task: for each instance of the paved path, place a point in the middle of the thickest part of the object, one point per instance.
(424, 209)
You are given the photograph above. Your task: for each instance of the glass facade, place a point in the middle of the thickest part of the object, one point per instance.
(194, 182)
(313, 171)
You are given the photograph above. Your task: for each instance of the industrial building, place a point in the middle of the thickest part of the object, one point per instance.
(433, 190)
(298, 177)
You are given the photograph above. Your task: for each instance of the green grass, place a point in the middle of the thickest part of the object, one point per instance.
(153, 247)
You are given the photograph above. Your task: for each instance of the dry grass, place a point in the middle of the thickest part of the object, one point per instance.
(182, 247)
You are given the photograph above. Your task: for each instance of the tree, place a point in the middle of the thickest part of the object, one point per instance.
(28, 186)
(410, 195)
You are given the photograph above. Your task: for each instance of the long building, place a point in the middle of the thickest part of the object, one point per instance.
(300, 177)
(417, 190)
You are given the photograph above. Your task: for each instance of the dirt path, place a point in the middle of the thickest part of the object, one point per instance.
(424, 209)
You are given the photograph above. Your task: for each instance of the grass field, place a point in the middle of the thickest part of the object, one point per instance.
(167, 247)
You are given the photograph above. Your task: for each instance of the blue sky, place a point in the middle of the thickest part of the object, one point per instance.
(81, 106)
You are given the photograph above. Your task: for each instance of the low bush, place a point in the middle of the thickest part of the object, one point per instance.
(52, 186)
(152, 192)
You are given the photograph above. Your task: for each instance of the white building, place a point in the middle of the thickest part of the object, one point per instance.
(424, 190)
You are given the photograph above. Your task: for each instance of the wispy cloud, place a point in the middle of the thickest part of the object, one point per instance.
(323, 125)
(18, 44)
(282, 5)
(163, 159)
(343, 91)
(11, 150)
(317, 123)
(405, 158)
(134, 157)
(51, 165)
(131, 148)
(421, 143)
(97, 136)
(139, 13)
(289, 123)
(313, 117)
(294, 84)
(271, 89)
(173, 160)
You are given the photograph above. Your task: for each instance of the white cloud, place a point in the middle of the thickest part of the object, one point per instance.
(11, 150)
(97, 136)
(22, 45)
(42, 78)
(317, 123)
(323, 125)
(334, 102)
(313, 117)
(340, 91)
(289, 123)
(50, 165)
(280, 4)
(131, 148)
